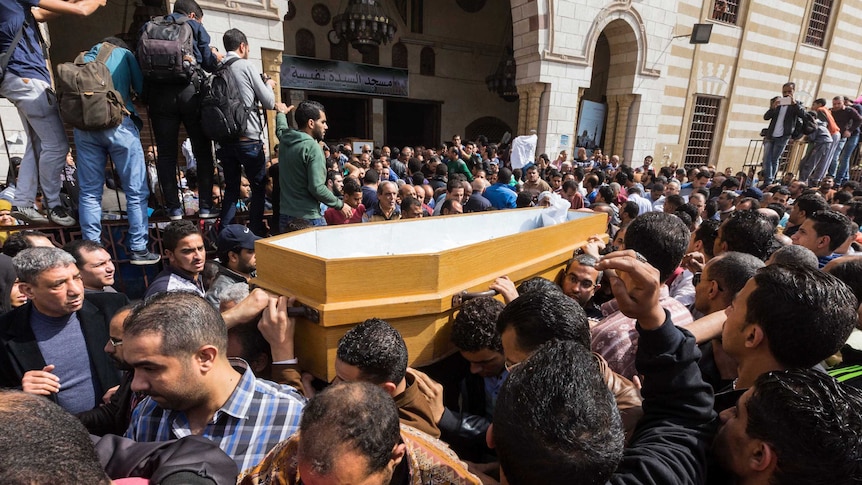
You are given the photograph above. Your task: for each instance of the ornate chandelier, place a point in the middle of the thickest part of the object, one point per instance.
(502, 81)
(364, 24)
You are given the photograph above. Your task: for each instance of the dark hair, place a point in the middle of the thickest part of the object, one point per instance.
(116, 41)
(504, 176)
(690, 210)
(185, 321)
(748, 232)
(233, 38)
(555, 419)
(252, 342)
(376, 349)
(537, 283)
(307, 110)
(475, 326)
(539, 316)
(358, 415)
(795, 255)
(806, 314)
(371, 177)
(849, 270)
(842, 197)
(854, 212)
(18, 241)
(731, 270)
(607, 194)
(778, 208)
(187, 7)
(414, 165)
(674, 200)
(833, 224)
(410, 202)
(351, 186)
(811, 422)
(176, 231)
(630, 208)
(811, 203)
(454, 184)
(42, 443)
(78, 247)
(661, 238)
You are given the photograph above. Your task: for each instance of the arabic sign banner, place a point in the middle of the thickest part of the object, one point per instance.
(342, 77)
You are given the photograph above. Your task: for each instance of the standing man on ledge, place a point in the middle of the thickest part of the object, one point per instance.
(302, 176)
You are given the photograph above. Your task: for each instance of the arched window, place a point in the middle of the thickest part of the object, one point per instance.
(427, 61)
(305, 43)
(399, 55)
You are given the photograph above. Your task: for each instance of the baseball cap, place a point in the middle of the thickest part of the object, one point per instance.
(236, 236)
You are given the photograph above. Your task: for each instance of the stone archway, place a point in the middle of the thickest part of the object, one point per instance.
(619, 40)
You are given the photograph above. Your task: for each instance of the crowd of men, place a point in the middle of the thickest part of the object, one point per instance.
(714, 338)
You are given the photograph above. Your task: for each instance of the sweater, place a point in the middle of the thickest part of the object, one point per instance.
(302, 173)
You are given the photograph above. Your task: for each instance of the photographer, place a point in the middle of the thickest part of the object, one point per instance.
(783, 113)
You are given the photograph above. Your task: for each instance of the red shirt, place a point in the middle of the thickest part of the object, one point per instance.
(334, 217)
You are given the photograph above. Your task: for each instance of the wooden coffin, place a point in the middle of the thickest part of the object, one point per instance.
(407, 272)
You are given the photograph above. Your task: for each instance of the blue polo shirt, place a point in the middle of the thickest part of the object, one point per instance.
(27, 60)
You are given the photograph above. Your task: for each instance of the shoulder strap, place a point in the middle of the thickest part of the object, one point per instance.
(6, 56)
(230, 61)
(105, 52)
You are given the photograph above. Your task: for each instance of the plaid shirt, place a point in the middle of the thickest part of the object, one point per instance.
(616, 337)
(257, 416)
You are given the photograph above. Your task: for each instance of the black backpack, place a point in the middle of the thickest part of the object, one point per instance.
(806, 124)
(166, 50)
(223, 114)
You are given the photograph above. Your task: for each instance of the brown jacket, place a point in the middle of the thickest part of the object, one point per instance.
(625, 393)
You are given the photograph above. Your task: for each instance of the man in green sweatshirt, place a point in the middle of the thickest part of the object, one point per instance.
(302, 175)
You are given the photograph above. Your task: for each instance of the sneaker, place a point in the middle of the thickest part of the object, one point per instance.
(175, 214)
(207, 213)
(59, 216)
(143, 258)
(29, 214)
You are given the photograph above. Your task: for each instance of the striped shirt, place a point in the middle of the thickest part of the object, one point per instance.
(258, 415)
(616, 337)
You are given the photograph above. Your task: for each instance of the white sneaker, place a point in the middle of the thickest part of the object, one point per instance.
(29, 214)
(59, 216)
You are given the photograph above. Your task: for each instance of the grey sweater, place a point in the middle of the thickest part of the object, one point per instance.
(252, 88)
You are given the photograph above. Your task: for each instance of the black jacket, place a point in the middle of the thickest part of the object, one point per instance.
(113, 417)
(670, 442)
(19, 351)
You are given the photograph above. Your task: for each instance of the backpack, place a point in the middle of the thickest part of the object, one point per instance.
(805, 124)
(85, 90)
(164, 50)
(223, 114)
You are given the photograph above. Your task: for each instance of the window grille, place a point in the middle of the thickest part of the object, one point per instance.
(702, 131)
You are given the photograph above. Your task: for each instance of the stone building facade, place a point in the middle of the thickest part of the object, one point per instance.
(659, 95)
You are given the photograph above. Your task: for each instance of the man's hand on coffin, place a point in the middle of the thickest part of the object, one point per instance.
(594, 246)
(248, 309)
(636, 286)
(277, 328)
(432, 390)
(693, 262)
(506, 287)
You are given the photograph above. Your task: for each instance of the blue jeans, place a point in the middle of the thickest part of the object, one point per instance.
(234, 157)
(833, 162)
(123, 145)
(284, 220)
(47, 145)
(843, 173)
(772, 150)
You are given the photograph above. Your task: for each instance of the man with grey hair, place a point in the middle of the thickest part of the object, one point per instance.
(52, 345)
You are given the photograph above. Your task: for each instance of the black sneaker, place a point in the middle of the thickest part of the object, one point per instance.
(59, 216)
(143, 258)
